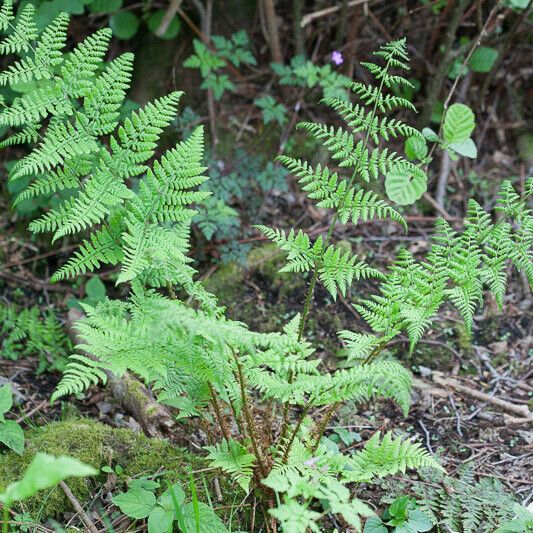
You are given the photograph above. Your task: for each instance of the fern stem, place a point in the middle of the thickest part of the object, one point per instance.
(249, 420)
(218, 413)
(321, 428)
(312, 285)
(305, 412)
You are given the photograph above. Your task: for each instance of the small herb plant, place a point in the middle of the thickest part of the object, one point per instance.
(11, 434)
(170, 507)
(402, 516)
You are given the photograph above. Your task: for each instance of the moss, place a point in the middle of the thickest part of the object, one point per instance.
(226, 283)
(97, 445)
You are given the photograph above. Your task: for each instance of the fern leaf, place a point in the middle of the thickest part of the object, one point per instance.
(234, 459)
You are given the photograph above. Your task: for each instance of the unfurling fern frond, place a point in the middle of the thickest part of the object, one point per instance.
(234, 459)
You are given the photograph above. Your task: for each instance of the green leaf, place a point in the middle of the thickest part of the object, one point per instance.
(430, 135)
(398, 507)
(136, 503)
(466, 148)
(483, 59)
(459, 123)
(160, 520)
(209, 520)
(95, 289)
(105, 6)
(124, 24)
(403, 188)
(6, 400)
(12, 436)
(419, 521)
(166, 500)
(154, 20)
(416, 148)
(45, 471)
(374, 525)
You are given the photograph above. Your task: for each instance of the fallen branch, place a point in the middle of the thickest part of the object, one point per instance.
(450, 383)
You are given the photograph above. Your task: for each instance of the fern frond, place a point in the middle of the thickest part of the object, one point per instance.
(387, 456)
(233, 459)
(102, 248)
(24, 32)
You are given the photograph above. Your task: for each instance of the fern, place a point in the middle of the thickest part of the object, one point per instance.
(27, 332)
(76, 101)
(233, 458)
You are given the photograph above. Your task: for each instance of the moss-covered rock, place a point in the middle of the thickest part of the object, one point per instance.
(97, 445)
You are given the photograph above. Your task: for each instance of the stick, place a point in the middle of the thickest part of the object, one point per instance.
(79, 509)
(520, 410)
(170, 13)
(306, 19)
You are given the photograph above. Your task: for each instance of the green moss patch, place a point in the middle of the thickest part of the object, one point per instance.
(97, 445)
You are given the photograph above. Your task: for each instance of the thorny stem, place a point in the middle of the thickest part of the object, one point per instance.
(312, 285)
(248, 418)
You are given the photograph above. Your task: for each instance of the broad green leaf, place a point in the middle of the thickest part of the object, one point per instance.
(483, 59)
(6, 400)
(136, 503)
(403, 188)
(95, 289)
(466, 148)
(374, 525)
(12, 436)
(124, 24)
(419, 521)
(416, 148)
(45, 471)
(160, 520)
(166, 500)
(210, 522)
(105, 6)
(154, 20)
(459, 123)
(430, 135)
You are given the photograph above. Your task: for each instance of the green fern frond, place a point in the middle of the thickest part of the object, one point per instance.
(24, 32)
(233, 459)
(6, 14)
(102, 248)
(387, 456)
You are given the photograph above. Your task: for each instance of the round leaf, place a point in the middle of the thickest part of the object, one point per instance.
(95, 289)
(403, 188)
(419, 521)
(466, 148)
(459, 123)
(483, 59)
(160, 520)
(154, 20)
(374, 525)
(6, 399)
(124, 24)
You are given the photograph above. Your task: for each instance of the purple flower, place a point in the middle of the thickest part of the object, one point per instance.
(336, 57)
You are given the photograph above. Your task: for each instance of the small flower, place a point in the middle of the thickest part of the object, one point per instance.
(336, 57)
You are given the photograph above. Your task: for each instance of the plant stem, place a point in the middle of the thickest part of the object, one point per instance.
(5, 524)
(322, 426)
(218, 413)
(249, 420)
(312, 285)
